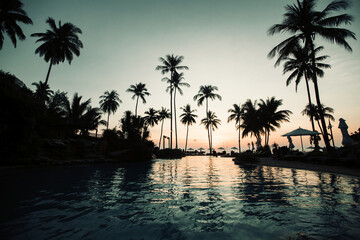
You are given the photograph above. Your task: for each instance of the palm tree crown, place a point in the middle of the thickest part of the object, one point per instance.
(140, 91)
(206, 92)
(151, 117)
(171, 64)
(211, 123)
(59, 43)
(109, 103)
(42, 92)
(11, 12)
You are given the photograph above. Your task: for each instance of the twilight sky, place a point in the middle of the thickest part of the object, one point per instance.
(224, 43)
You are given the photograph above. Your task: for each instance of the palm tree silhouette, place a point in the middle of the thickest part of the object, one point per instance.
(140, 91)
(271, 117)
(305, 23)
(313, 110)
(236, 115)
(211, 123)
(171, 64)
(109, 103)
(11, 12)
(204, 93)
(151, 117)
(59, 43)
(175, 84)
(163, 114)
(42, 92)
(300, 65)
(252, 123)
(187, 118)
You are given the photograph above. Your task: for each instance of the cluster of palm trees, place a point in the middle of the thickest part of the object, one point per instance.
(305, 24)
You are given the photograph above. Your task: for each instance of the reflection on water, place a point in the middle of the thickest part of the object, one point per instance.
(191, 198)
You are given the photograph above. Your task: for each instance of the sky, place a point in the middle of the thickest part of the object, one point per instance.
(224, 43)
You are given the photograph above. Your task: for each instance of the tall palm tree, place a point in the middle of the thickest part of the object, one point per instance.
(175, 85)
(151, 117)
(59, 43)
(163, 114)
(171, 64)
(313, 110)
(305, 23)
(252, 122)
(11, 12)
(204, 93)
(187, 118)
(299, 64)
(42, 92)
(211, 123)
(236, 115)
(140, 91)
(109, 103)
(271, 116)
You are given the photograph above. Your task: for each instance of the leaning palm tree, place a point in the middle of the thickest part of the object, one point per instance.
(175, 85)
(171, 64)
(11, 12)
(300, 65)
(236, 115)
(109, 103)
(271, 116)
(187, 118)
(59, 43)
(151, 117)
(163, 114)
(42, 92)
(140, 91)
(305, 23)
(211, 123)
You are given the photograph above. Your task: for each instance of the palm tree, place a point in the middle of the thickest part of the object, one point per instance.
(11, 12)
(252, 122)
(211, 123)
(271, 117)
(109, 103)
(140, 91)
(187, 118)
(305, 23)
(59, 43)
(313, 110)
(300, 66)
(163, 114)
(151, 117)
(171, 64)
(175, 84)
(204, 93)
(236, 115)
(42, 92)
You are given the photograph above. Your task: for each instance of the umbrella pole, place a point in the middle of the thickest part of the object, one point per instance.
(301, 143)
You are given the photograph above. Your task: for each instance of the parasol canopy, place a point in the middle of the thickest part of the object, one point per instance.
(301, 132)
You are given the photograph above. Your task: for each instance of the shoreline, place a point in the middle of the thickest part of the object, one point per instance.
(353, 172)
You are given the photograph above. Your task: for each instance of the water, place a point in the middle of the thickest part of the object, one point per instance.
(192, 198)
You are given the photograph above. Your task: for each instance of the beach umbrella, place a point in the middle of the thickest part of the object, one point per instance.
(201, 149)
(221, 148)
(190, 149)
(234, 148)
(301, 132)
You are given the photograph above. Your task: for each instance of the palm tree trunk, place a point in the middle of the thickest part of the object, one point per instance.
(171, 120)
(316, 142)
(137, 100)
(107, 123)
(208, 130)
(210, 139)
(161, 132)
(176, 138)
(320, 128)
(317, 95)
(239, 140)
(48, 73)
(187, 134)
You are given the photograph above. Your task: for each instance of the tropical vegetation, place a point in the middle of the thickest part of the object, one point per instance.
(187, 118)
(305, 23)
(211, 123)
(109, 103)
(140, 91)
